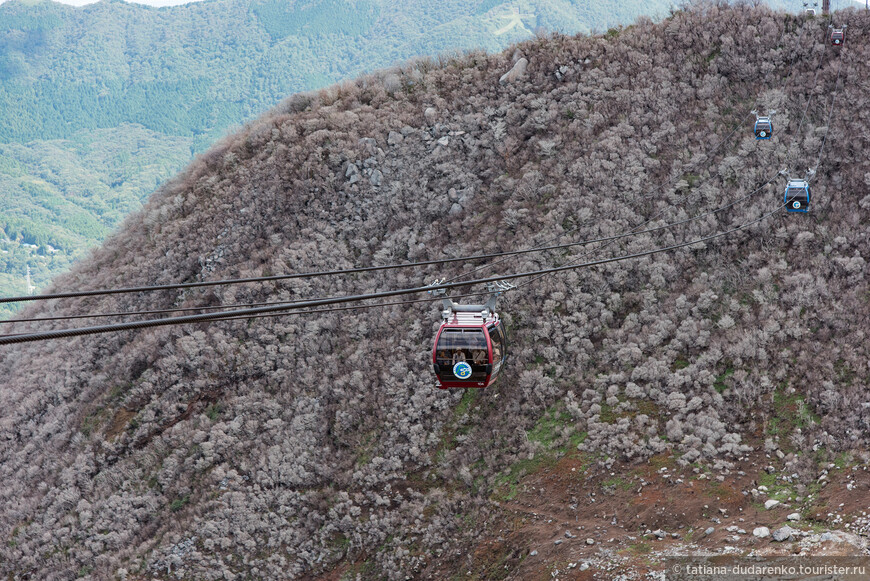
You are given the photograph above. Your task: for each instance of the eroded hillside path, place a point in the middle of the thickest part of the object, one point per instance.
(576, 521)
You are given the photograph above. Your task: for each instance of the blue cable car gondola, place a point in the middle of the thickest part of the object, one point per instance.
(797, 196)
(763, 126)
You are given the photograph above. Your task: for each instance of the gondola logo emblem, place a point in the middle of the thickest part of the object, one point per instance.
(796, 204)
(462, 370)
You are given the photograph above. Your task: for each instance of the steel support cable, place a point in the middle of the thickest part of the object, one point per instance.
(336, 309)
(130, 313)
(367, 306)
(611, 239)
(830, 115)
(177, 286)
(101, 292)
(314, 274)
(345, 271)
(536, 249)
(151, 312)
(240, 305)
(472, 294)
(548, 273)
(506, 255)
(812, 94)
(692, 164)
(807, 107)
(790, 76)
(312, 312)
(635, 232)
(703, 157)
(187, 285)
(791, 73)
(244, 313)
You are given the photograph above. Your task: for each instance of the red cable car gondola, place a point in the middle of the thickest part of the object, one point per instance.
(838, 36)
(470, 347)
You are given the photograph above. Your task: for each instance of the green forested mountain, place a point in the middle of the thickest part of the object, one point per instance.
(99, 105)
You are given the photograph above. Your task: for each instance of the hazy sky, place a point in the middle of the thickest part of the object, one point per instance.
(176, 2)
(148, 2)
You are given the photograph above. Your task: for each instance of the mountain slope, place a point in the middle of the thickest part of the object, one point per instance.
(187, 74)
(316, 445)
(161, 85)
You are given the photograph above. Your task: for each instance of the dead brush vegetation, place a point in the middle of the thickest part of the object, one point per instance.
(291, 446)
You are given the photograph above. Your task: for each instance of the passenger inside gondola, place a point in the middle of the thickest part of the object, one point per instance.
(458, 345)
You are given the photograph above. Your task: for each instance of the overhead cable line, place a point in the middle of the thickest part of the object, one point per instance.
(129, 313)
(337, 309)
(635, 232)
(176, 286)
(788, 81)
(547, 273)
(830, 116)
(102, 292)
(280, 308)
(807, 108)
(149, 312)
(542, 248)
(223, 282)
(702, 157)
(505, 255)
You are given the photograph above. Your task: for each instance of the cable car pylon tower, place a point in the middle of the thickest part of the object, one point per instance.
(30, 287)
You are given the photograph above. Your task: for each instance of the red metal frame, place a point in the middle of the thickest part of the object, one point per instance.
(465, 384)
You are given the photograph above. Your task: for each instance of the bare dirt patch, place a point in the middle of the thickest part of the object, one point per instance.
(119, 423)
(635, 515)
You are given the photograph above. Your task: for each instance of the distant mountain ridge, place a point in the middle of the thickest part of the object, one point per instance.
(159, 85)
